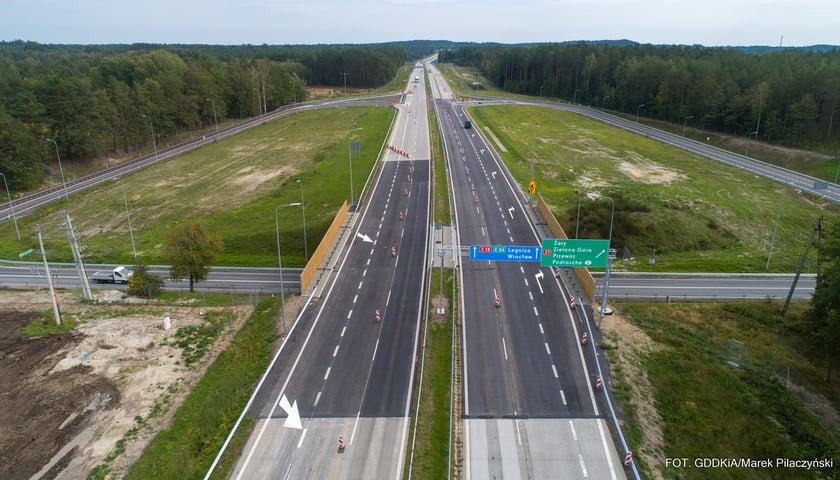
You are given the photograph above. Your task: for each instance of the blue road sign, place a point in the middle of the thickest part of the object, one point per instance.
(505, 253)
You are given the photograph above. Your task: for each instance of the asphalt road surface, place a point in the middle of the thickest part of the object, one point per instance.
(529, 406)
(349, 363)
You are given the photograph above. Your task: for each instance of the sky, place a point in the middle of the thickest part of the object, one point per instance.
(280, 22)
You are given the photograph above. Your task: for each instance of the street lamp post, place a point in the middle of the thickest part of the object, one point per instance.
(280, 261)
(11, 204)
(574, 97)
(541, 89)
(350, 159)
(604, 103)
(152, 128)
(749, 135)
(836, 174)
(609, 260)
(60, 169)
(303, 211)
(215, 119)
(637, 111)
(685, 122)
(577, 219)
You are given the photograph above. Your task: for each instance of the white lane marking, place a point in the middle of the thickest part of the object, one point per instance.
(343, 330)
(574, 432)
(526, 282)
(504, 347)
(556, 376)
(563, 397)
(349, 314)
(582, 466)
(360, 285)
(356, 297)
(327, 375)
(536, 313)
(511, 239)
(335, 352)
(541, 329)
(300, 442)
(371, 251)
(530, 295)
(364, 272)
(522, 269)
(317, 399)
(547, 350)
(368, 262)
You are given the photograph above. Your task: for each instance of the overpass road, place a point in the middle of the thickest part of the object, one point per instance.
(529, 407)
(349, 373)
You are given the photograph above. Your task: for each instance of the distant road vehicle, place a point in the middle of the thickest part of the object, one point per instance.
(467, 124)
(118, 275)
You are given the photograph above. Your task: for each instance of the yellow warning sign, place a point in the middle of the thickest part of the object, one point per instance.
(532, 187)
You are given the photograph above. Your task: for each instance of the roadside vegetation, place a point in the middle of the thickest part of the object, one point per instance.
(232, 186)
(687, 212)
(433, 447)
(727, 380)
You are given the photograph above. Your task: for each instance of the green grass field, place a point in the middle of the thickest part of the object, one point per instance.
(713, 409)
(695, 214)
(233, 186)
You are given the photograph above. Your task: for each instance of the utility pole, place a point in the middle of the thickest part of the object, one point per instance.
(77, 254)
(56, 311)
(817, 228)
(344, 74)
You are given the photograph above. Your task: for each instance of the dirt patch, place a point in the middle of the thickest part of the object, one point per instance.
(632, 345)
(643, 171)
(66, 399)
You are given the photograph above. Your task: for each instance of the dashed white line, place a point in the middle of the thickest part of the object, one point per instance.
(335, 352)
(563, 397)
(547, 350)
(368, 262)
(536, 312)
(343, 330)
(317, 399)
(300, 442)
(555, 375)
(541, 329)
(327, 375)
(356, 297)
(530, 295)
(349, 313)
(526, 282)
(360, 285)
(582, 466)
(522, 269)
(504, 347)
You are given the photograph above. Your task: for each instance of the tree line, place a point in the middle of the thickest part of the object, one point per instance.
(784, 96)
(94, 100)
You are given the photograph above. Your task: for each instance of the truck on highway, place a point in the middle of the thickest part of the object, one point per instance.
(467, 124)
(118, 275)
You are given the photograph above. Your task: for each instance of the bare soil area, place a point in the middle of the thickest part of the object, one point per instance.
(67, 399)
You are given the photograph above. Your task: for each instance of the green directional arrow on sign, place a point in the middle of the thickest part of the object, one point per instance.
(562, 252)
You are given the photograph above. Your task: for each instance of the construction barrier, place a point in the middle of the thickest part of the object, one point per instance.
(320, 253)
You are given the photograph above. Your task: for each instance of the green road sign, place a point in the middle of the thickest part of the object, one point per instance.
(24, 253)
(560, 252)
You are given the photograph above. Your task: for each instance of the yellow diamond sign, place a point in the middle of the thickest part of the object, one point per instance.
(532, 187)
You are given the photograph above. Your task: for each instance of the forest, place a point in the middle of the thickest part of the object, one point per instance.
(93, 100)
(784, 96)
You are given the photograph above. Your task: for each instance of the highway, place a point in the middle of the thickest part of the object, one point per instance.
(529, 406)
(348, 364)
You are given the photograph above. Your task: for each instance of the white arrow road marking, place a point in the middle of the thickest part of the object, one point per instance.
(494, 174)
(510, 211)
(293, 419)
(364, 237)
(538, 276)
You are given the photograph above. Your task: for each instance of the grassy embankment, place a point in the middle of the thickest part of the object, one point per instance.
(698, 215)
(432, 448)
(708, 408)
(233, 186)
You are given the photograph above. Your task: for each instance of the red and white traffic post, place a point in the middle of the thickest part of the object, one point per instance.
(378, 316)
(340, 444)
(584, 339)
